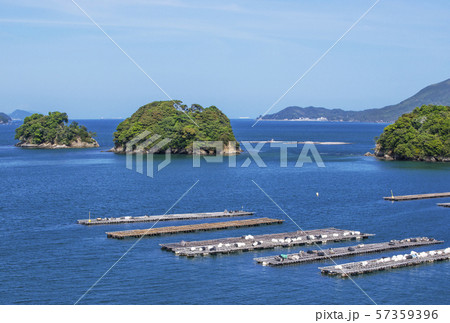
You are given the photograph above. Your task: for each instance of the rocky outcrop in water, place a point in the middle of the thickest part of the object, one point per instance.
(422, 135)
(163, 126)
(52, 132)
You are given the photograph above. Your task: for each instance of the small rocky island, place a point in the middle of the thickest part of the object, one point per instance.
(4, 118)
(422, 135)
(53, 132)
(175, 121)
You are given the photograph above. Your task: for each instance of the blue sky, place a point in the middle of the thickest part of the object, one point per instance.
(238, 55)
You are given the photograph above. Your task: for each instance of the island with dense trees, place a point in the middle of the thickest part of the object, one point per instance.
(181, 124)
(53, 132)
(422, 135)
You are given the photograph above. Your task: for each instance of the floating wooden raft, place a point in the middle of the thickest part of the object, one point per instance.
(444, 204)
(417, 196)
(167, 217)
(192, 228)
(326, 254)
(298, 142)
(362, 267)
(259, 242)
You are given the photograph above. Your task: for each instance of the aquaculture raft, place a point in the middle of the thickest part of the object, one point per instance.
(324, 254)
(416, 197)
(362, 267)
(259, 242)
(297, 142)
(166, 217)
(192, 228)
(444, 204)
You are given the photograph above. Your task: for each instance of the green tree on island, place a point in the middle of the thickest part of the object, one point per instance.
(423, 134)
(52, 129)
(173, 120)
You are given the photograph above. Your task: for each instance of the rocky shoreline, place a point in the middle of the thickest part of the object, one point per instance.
(48, 145)
(389, 155)
(229, 150)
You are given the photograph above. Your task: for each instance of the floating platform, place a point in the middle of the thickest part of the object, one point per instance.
(166, 217)
(444, 204)
(260, 242)
(326, 254)
(385, 263)
(416, 197)
(192, 228)
(298, 142)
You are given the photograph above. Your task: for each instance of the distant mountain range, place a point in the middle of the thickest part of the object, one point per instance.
(4, 118)
(438, 94)
(15, 115)
(19, 114)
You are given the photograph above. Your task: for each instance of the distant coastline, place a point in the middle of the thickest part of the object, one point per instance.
(319, 120)
(436, 94)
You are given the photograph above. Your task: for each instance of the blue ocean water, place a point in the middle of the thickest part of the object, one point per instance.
(46, 258)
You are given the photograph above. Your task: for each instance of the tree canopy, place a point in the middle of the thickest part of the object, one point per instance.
(421, 134)
(171, 120)
(53, 129)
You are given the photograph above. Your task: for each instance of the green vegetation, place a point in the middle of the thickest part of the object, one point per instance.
(52, 129)
(173, 120)
(419, 135)
(4, 118)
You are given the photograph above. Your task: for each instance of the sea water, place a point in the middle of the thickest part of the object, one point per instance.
(47, 258)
